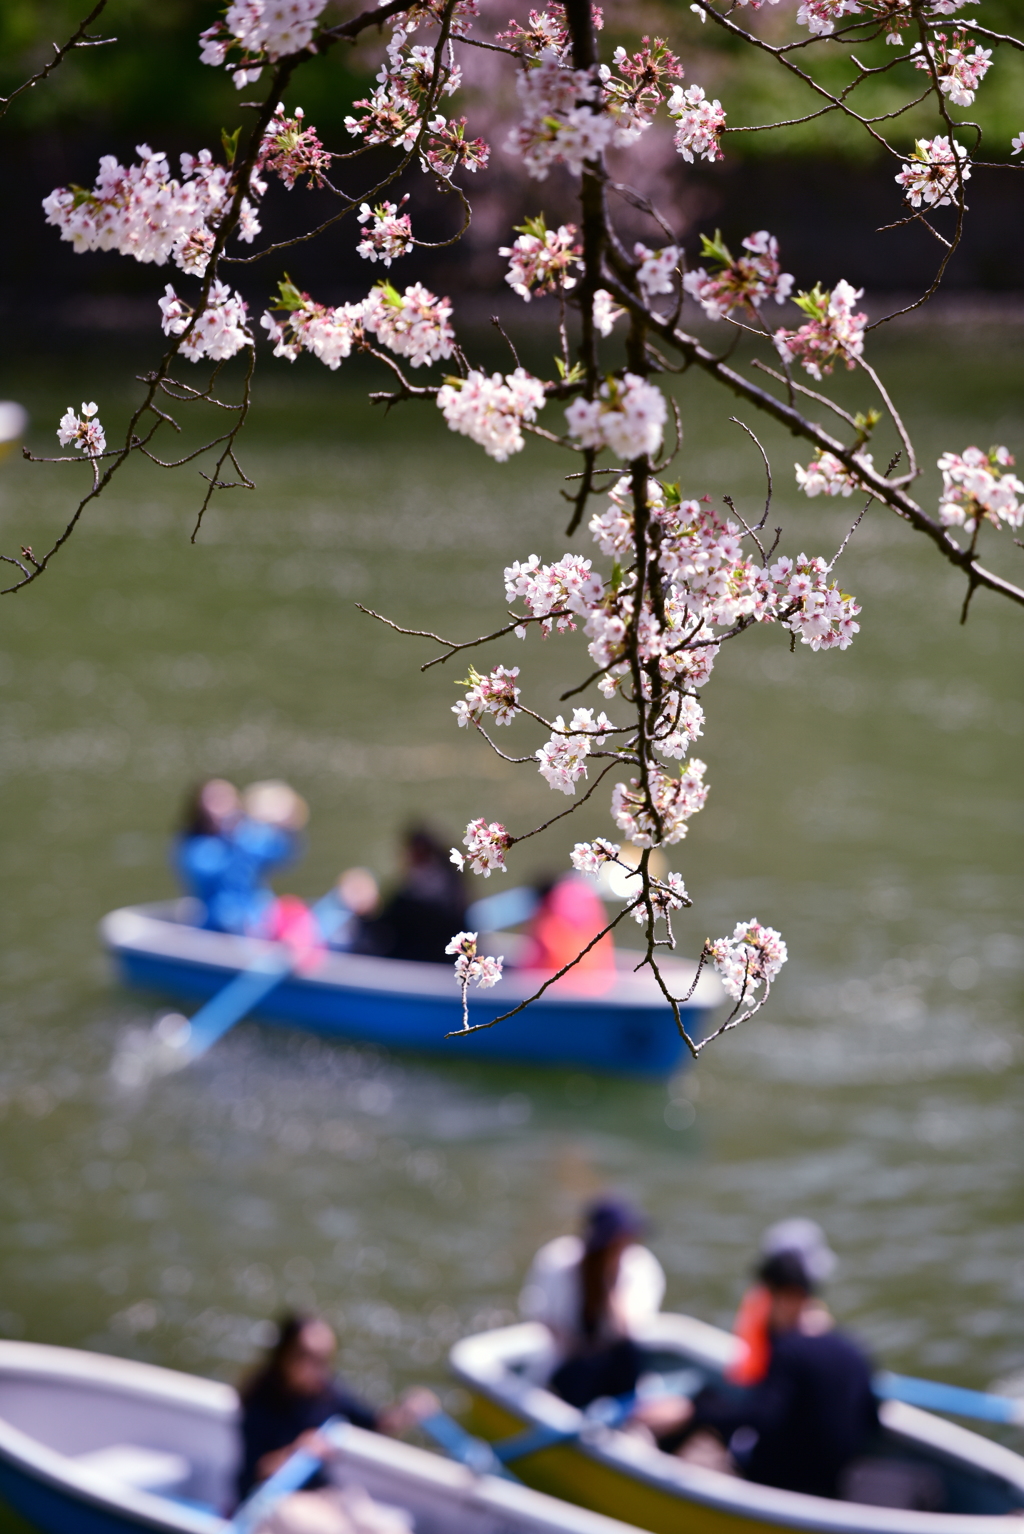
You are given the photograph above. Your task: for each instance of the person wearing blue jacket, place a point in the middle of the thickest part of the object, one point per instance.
(230, 843)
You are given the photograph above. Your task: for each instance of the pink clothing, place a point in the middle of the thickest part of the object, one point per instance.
(569, 915)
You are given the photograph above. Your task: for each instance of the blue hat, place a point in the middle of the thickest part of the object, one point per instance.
(608, 1220)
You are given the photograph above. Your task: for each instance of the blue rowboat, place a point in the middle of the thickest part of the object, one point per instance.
(625, 1027)
(97, 1445)
(923, 1475)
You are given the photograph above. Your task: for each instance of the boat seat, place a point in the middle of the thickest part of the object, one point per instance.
(899, 1483)
(132, 1464)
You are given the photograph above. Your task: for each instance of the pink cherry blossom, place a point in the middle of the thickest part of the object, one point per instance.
(413, 324)
(591, 857)
(292, 150)
(665, 895)
(828, 475)
(84, 433)
(976, 487)
(656, 269)
(628, 416)
(541, 258)
(495, 694)
(143, 211)
(747, 279)
(754, 954)
(700, 123)
(472, 968)
(959, 72)
(389, 235)
(492, 410)
(328, 333)
(605, 311)
(659, 814)
(833, 331)
(486, 847)
(218, 333)
(934, 172)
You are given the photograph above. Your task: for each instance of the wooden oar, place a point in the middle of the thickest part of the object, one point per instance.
(297, 1469)
(193, 1037)
(932, 1395)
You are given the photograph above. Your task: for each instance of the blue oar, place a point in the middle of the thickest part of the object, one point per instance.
(934, 1396)
(297, 1469)
(229, 1006)
(492, 1458)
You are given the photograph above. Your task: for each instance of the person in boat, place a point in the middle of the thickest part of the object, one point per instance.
(421, 917)
(294, 1392)
(753, 1319)
(568, 917)
(591, 1291)
(227, 846)
(811, 1415)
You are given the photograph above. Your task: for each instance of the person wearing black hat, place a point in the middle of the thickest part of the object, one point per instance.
(813, 1413)
(591, 1291)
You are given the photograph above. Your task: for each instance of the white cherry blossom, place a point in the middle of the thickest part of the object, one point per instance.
(85, 432)
(492, 410)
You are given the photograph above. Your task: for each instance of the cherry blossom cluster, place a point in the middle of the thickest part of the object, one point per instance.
(565, 119)
(472, 968)
(736, 281)
(262, 30)
(754, 954)
(562, 760)
(627, 416)
(958, 72)
(541, 258)
(84, 432)
(820, 16)
(635, 94)
(657, 812)
(447, 148)
(933, 173)
(389, 235)
(292, 150)
(546, 31)
(495, 694)
(833, 331)
(976, 487)
(700, 123)
(590, 857)
(828, 475)
(568, 586)
(328, 333)
(605, 312)
(410, 82)
(413, 324)
(485, 845)
(143, 211)
(823, 615)
(219, 329)
(492, 410)
(656, 269)
(665, 895)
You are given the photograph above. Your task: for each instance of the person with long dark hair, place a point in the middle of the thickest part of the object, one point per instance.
(294, 1391)
(591, 1291)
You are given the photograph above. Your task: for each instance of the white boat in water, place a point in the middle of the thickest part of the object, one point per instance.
(97, 1445)
(924, 1475)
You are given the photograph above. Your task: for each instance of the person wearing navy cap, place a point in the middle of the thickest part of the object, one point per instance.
(592, 1291)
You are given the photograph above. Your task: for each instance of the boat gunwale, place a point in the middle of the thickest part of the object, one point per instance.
(370, 975)
(479, 1363)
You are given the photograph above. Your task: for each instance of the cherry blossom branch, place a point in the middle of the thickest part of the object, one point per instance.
(467, 1027)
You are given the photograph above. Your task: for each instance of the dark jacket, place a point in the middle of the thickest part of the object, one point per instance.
(273, 1419)
(813, 1413)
